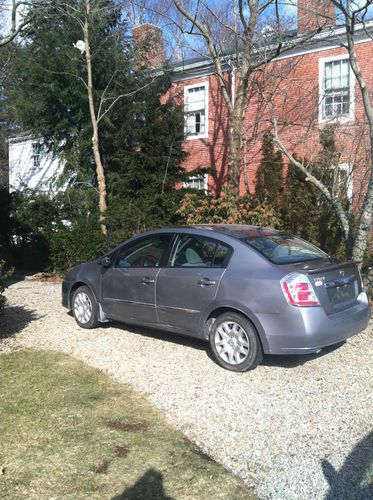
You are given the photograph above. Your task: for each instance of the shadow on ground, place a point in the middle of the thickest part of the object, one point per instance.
(150, 486)
(14, 319)
(292, 361)
(355, 478)
(17, 277)
(174, 338)
(283, 361)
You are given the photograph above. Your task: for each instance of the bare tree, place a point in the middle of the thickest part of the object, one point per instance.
(352, 13)
(97, 112)
(101, 105)
(84, 18)
(257, 34)
(101, 180)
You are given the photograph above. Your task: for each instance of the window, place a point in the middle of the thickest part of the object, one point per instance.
(344, 181)
(199, 182)
(283, 249)
(196, 110)
(36, 153)
(198, 251)
(146, 252)
(336, 89)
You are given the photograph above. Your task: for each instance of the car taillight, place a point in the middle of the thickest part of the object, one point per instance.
(298, 290)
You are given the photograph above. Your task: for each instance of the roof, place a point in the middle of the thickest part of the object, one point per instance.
(298, 44)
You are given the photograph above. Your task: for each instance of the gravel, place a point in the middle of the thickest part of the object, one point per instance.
(294, 428)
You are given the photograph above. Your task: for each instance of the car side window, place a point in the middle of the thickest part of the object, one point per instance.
(146, 252)
(197, 251)
(222, 255)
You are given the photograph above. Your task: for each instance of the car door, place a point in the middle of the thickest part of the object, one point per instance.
(189, 282)
(128, 287)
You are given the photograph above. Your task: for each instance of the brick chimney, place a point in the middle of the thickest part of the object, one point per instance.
(314, 15)
(149, 52)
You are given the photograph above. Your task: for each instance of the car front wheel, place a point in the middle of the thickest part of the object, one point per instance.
(235, 343)
(84, 307)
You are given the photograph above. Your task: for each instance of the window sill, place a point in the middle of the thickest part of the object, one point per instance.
(199, 136)
(341, 120)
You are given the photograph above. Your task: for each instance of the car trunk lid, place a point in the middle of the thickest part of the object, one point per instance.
(336, 284)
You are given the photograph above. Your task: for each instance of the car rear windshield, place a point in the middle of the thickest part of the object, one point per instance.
(285, 249)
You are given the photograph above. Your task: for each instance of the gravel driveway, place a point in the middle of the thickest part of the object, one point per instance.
(295, 428)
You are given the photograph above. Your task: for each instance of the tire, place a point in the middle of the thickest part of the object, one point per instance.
(235, 343)
(85, 308)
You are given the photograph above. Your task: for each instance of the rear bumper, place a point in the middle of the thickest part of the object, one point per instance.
(307, 330)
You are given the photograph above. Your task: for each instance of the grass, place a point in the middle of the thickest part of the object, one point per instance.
(68, 431)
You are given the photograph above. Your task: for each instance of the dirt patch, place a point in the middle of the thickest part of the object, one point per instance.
(203, 455)
(121, 451)
(47, 277)
(126, 426)
(101, 467)
(7, 346)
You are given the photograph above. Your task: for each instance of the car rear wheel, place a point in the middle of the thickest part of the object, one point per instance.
(84, 307)
(235, 343)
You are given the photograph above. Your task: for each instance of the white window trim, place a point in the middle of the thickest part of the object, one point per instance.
(205, 134)
(195, 177)
(347, 167)
(341, 119)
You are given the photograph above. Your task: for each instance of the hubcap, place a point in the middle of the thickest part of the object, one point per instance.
(82, 307)
(232, 342)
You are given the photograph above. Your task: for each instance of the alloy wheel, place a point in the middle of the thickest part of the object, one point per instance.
(82, 307)
(232, 342)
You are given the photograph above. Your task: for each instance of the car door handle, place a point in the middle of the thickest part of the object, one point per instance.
(147, 281)
(206, 282)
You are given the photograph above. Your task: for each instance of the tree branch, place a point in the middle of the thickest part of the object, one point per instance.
(212, 49)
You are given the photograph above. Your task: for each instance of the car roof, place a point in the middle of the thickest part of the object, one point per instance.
(238, 231)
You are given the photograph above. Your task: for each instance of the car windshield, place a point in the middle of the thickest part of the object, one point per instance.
(285, 249)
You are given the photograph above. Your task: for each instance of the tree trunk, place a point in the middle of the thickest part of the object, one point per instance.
(365, 226)
(234, 155)
(101, 181)
(236, 141)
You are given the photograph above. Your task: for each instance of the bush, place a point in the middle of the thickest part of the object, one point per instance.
(34, 217)
(229, 209)
(305, 211)
(53, 234)
(81, 242)
(367, 273)
(269, 176)
(3, 276)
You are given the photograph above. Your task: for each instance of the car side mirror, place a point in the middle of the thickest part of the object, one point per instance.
(105, 261)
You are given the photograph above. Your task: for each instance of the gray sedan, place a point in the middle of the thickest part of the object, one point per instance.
(247, 290)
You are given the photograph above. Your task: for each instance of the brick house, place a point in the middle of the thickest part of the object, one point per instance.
(309, 86)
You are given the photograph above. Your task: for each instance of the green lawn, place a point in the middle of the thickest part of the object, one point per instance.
(68, 431)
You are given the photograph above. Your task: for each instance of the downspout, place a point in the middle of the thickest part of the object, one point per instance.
(233, 83)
